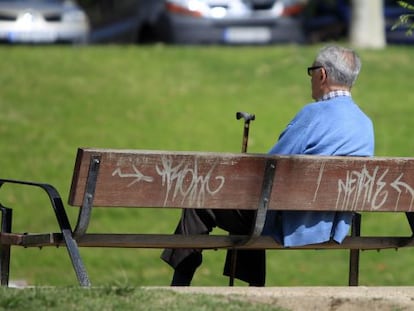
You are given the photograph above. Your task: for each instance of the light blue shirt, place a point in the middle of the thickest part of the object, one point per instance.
(332, 126)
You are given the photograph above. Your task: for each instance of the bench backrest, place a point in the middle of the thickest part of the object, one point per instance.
(140, 178)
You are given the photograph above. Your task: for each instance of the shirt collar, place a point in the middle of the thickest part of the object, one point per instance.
(334, 94)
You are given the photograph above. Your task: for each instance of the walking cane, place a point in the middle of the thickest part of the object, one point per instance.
(247, 118)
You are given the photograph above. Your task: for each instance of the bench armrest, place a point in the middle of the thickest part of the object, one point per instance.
(55, 200)
(64, 224)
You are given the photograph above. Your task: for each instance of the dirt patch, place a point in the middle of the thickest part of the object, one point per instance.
(319, 298)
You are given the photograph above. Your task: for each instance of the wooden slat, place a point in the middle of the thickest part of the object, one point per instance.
(196, 241)
(225, 241)
(139, 178)
(32, 239)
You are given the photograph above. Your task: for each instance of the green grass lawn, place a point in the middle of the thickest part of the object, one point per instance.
(123, 298)
(55, 99)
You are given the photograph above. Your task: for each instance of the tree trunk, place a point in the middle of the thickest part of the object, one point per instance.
(367, 25)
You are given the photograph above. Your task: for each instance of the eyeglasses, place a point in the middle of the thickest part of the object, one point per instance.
(311, 69)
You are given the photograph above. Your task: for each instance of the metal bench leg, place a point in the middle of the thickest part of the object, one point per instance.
(354, 253)
(6, 223)
(233, 263)
(76, 259)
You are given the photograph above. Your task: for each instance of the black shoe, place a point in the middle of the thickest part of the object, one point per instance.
(254, 284)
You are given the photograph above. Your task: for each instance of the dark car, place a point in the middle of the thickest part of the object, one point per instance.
(123, 21)
(327, 20)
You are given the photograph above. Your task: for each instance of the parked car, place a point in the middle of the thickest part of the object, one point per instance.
(329, 20)
(123, 21)
(231, 21)
(42, 21)
(80, 21)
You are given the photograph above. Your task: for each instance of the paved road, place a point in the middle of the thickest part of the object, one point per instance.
(320, 298)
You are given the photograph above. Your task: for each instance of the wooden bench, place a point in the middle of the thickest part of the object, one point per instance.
(167, 179)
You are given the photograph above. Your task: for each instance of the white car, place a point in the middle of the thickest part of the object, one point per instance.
(233, 21)
(42, 21)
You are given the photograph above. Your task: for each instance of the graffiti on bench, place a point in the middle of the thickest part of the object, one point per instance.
(370, 188)
(181, 180)
(365, 189)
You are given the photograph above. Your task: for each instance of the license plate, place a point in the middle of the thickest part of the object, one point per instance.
(28, 36)
(247, 35)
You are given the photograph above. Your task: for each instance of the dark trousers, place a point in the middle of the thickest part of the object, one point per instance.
(250, 264)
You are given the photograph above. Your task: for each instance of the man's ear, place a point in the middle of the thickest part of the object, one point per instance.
(324, 76)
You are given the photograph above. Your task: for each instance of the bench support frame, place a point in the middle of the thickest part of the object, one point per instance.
(86, 208)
